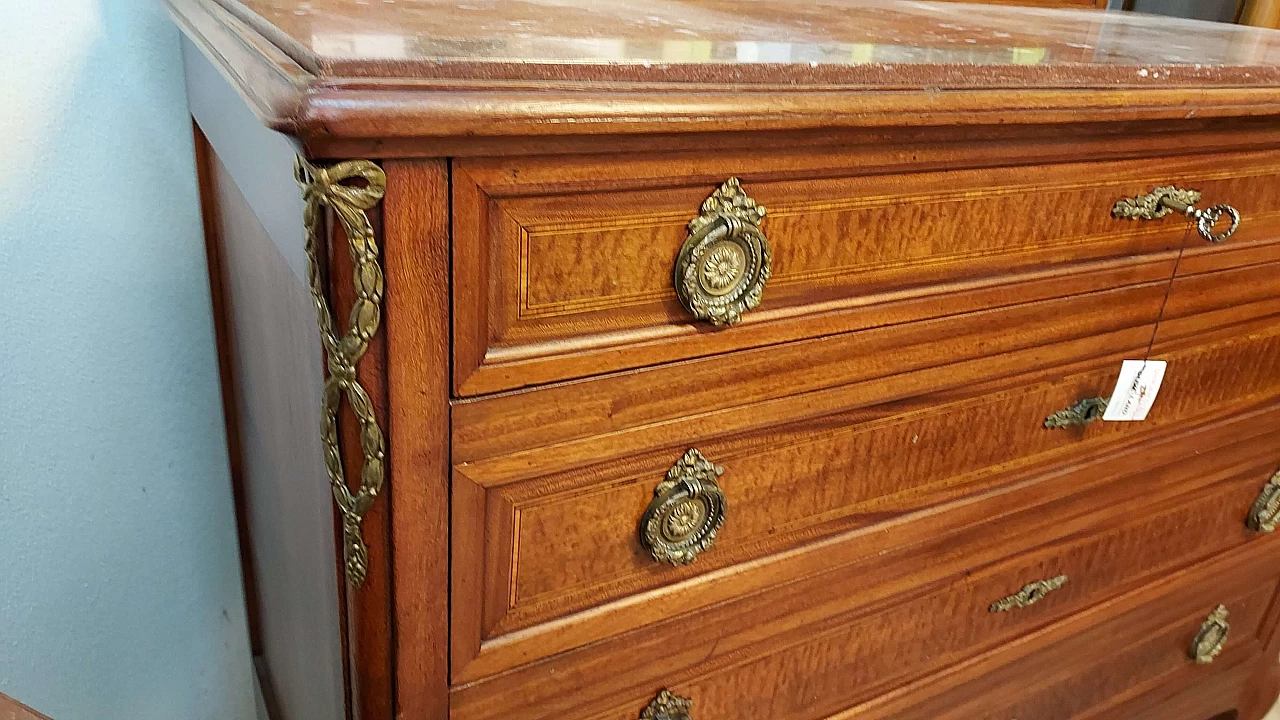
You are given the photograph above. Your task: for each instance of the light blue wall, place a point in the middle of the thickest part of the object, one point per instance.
(120, 594)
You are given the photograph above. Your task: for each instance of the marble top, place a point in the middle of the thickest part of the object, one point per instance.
(858, 42)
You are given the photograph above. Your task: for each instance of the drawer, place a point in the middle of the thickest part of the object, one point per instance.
(557, 545)
(520, 435)
(812, 648)
(1058, 686)
(1221, 696)
(1117, 660)
(566, 267)
(495, 541)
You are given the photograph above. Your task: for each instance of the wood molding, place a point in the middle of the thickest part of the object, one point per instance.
(320, 99)
(267, 78)
(11, 709)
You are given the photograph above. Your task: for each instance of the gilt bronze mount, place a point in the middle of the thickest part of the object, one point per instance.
(331, 188)
(725, 260)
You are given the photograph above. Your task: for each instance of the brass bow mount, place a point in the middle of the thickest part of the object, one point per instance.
(1167, 199)
(325, 187)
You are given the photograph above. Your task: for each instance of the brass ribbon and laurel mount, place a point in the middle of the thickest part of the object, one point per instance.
(725, 261)
(1167, 199)
(329, 187)
(1030, 594)
(1212, 637)
(686, 512)
(668, 706)
(1082, 413)
(1265, 513)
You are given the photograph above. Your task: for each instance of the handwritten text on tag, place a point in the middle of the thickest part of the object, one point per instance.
(1136, 390)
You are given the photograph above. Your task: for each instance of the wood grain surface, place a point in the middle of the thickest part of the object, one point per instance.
(567, 542)
(562, 272)
(793, 652)
(432, 69)
(273, 373)
(416, 251)
(939, 179)
(1089, 667)
(11, 709)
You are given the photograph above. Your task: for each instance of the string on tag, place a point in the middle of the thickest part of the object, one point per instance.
(1168, 290)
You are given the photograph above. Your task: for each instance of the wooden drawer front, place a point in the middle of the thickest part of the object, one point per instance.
(836, 660)
(525, 434)
(1107, 661)
(562, 543)
(564, 267)
(1091, 674)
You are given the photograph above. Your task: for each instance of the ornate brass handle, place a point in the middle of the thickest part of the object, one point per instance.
(686, 512)
(1265, 513)
(324, 187)
(668, 706)
(1167, 199)
(725, 261)
(1212, 637)
(1082, 413)
(1030, 594)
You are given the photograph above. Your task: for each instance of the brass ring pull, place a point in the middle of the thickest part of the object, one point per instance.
(1212, 637)
(1030, 594)
(725, 261)
(1167, 199)
(1208, 218)
(1082, 413)
(1265, 513)
(686, 512)
(668, 706)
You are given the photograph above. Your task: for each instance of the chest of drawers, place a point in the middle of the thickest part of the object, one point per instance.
(745, 360)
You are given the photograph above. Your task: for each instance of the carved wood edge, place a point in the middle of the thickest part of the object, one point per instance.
(293, 49)
(446, 105)
(11, 709)
(276, 97)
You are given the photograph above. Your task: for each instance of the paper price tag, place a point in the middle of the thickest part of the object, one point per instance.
(1136, 390)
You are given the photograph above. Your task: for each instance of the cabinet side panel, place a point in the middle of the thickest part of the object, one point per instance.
(273, 356)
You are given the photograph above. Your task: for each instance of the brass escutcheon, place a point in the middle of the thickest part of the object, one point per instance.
(668, 706)
(725, 261)
(1030, 594)
(1265, 512)
(686, 511)
(1167, 199)
(1212, 636)
(1082, 413)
